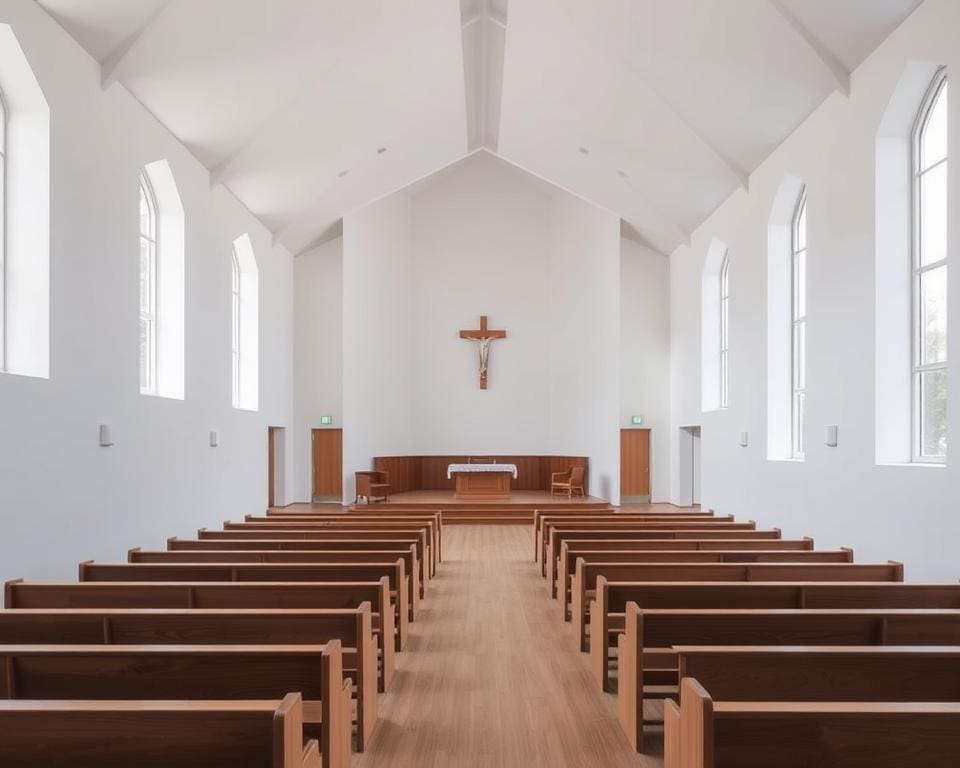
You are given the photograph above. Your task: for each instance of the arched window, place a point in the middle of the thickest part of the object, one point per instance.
(161, 283)
(725, 331)
(929, 311)
(236, 320)
(245, 344)
(148, 287)
(798, 343)
(3, 227)
(24, 215)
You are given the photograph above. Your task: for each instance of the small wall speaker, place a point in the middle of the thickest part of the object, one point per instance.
(831, 436)
(214, 438)
(744, 439)
(106, 436)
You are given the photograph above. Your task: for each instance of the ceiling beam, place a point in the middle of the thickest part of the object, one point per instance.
(111, 63)
(739, 172)
(840, 74)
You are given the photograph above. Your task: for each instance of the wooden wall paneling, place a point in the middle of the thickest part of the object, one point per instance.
(429, 473)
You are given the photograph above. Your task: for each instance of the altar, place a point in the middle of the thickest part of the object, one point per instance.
(482, 482)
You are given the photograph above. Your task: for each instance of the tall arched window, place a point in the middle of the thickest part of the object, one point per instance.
(929, 313)
(725, 331)
(798, 343)
(148, 287)
(236, 321)
(245, 345)
(3, 228)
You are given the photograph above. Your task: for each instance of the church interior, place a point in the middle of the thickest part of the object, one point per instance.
(423, 383)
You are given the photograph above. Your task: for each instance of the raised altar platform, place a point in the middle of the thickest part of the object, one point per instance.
(518, 509)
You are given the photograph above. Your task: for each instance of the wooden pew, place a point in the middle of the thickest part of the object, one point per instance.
(647, 654)
(434, 517)
(619, 525)
(561, 568)
(579, 515)
(265, 626)
(430, 531)
(409, 557)
(703, 733)
(175, 543)
(161, 734)
(202, 672)
(586, 576)
(737, 555)
(282, 572)
(419, 537)
(44, 595)
(559, 533)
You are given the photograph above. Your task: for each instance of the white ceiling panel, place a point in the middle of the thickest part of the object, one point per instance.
(674, 102)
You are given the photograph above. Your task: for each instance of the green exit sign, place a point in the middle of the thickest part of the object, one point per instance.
(326, 420)
(636, 420)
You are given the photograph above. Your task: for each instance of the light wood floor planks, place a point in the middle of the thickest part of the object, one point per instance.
(491, 676)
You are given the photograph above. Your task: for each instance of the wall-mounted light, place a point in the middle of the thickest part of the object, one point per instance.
(214, 438)
(106, 436)
(830, 438)
(744, 439)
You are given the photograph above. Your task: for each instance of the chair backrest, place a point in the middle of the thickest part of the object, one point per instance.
(481, 460)
(576, 476)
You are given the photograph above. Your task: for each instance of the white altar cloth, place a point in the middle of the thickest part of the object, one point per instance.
(456, 468)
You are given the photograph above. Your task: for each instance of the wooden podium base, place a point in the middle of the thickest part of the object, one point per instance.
(482, 486)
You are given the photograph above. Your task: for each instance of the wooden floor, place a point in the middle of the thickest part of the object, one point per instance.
(491, 676)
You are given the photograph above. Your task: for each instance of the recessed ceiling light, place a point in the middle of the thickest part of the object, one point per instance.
(622, 174)
(584, 151)
(343, 173)
(381, 150)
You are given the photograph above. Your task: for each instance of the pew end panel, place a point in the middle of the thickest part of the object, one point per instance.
(696, 726)
(671, 734)
(599, 629)
(629, 676)
(9, 593)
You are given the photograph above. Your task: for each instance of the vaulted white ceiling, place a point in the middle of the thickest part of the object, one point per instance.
(307, 109)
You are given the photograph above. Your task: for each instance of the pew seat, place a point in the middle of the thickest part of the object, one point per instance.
(160, 734)
(703, 733)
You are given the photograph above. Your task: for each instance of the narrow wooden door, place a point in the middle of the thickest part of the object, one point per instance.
(327, 464)
(635, 464)
(271, 465)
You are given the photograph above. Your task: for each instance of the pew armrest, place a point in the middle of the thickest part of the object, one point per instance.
(696, 725)
(671, 734)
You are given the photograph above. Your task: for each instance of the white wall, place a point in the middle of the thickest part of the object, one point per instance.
(838, 495)
(377, 328)
(482, 237)
(584, 332)
(645, 354)
(317, 352)
(62, 497)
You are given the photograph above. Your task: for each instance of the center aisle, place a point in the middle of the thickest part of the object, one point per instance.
(491, 676)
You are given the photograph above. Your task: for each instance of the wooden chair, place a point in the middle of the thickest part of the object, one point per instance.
(372, 485)
(481, 460)
(567, 482)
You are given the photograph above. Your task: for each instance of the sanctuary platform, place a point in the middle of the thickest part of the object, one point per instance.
(517, 510)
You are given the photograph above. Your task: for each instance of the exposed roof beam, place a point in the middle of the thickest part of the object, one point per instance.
(741, 173)
(111, 63)
(840, 73)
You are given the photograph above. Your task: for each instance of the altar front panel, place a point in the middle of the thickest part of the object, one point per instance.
(482, 486)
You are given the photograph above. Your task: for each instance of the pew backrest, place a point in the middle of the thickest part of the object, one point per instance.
(188, 734)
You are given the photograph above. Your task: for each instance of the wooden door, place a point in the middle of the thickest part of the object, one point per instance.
(271, 465)
(635, 464)
(327, 464)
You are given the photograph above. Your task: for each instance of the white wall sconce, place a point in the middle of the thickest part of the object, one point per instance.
(214, 438)
(106, 436)
(831, 436)
(744, 439)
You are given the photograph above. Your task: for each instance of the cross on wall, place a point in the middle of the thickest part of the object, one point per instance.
(483, 336)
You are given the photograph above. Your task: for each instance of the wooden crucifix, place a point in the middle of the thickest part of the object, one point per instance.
(483, 337)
